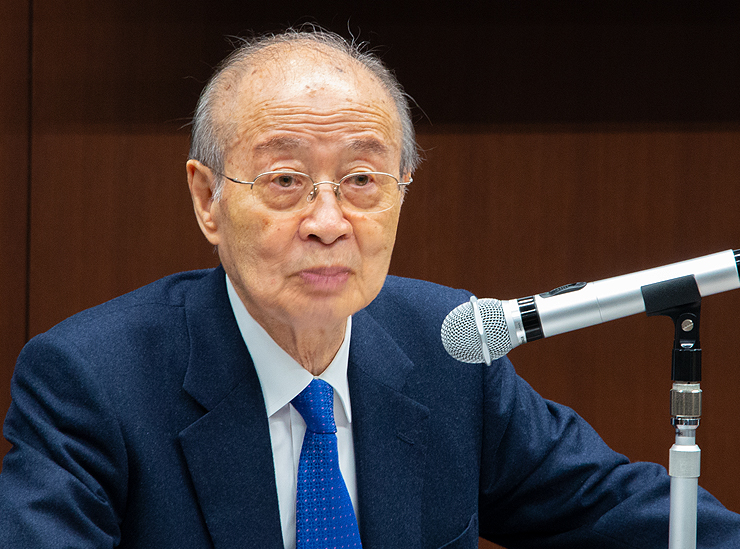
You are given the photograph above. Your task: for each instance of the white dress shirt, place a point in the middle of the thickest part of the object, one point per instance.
(282, 379)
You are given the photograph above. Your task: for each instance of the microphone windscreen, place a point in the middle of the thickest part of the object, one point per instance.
(460, 336)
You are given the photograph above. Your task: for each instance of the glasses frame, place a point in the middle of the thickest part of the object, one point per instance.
(312, 195)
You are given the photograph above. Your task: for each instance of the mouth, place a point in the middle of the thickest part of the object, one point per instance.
(326, 279)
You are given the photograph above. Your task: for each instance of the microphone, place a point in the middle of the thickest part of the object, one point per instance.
(486, 329)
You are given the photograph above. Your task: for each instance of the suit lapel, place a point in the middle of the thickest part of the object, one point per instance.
(389, 432)
(228, 451)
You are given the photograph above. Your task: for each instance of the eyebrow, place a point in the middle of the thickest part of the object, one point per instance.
(368, 145)
(362, 145)
(281, 142)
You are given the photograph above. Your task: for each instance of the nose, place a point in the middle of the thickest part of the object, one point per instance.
(324, 219)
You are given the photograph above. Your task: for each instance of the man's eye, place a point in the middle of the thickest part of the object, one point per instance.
(286, 180)
(359, 179)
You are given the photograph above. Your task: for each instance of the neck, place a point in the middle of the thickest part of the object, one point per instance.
(313, 343)
(313, 349)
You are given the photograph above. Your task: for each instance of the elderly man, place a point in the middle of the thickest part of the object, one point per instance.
(296, 396)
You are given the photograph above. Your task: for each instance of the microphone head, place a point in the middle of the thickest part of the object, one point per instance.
(460, 336)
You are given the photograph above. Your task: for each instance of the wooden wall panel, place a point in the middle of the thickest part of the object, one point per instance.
(14, 52)
(109, 199)
(510, 212)
(121, 217)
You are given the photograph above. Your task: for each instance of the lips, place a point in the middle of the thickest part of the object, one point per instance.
(326, 278)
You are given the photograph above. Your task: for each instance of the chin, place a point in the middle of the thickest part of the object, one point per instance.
(328, 308)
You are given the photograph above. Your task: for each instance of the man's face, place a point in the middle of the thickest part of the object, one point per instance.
(324, 117)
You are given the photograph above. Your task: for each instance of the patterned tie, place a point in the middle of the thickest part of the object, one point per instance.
(325, 518)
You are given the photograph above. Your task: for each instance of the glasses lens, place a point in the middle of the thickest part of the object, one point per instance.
(358, 192)
(282, 191)
(369, 191)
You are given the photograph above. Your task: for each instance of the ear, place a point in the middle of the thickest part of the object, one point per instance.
(200, 180)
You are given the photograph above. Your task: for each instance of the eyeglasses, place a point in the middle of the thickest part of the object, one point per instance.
(361, 192)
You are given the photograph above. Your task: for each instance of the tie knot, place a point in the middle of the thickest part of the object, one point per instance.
(316, 406)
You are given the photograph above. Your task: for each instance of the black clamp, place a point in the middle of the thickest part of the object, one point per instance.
(680, 300)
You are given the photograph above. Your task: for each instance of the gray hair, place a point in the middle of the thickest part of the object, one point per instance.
(209, 139)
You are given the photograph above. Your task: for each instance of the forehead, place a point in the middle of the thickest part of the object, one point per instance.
(295, 96)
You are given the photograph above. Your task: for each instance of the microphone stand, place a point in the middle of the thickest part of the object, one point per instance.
(681, 301)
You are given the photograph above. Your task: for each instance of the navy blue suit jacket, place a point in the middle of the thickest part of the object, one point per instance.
(141, 423)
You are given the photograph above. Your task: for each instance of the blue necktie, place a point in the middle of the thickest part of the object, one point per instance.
(324, 515)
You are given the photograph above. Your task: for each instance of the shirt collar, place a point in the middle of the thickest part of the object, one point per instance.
(281, 377)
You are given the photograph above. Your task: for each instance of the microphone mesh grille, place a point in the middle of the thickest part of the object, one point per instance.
(460, 336)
